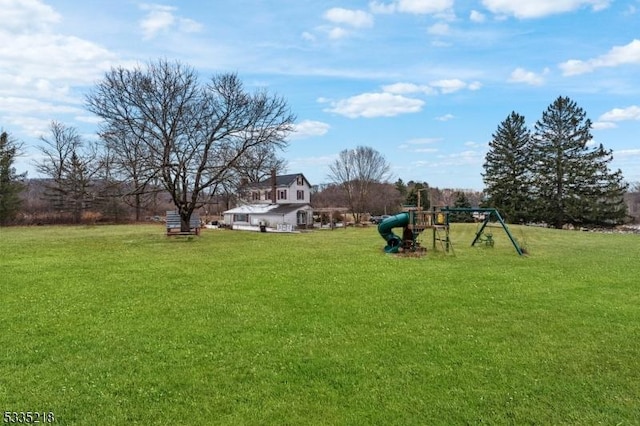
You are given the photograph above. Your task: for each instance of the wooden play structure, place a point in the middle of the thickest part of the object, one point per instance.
(414, 221)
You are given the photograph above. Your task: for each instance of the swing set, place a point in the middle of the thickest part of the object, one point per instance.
(481, 236)
(414, 221)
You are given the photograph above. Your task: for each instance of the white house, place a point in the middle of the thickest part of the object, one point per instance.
(278, 203)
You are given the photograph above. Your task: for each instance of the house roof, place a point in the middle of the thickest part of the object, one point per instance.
(267, 208)
(281, 180)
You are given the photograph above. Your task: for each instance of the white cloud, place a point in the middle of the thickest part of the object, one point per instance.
(27, 16)
(408, 88)
(353, 18)
(474, 85)
(44, 72)
(424, 141)
(411, 144)
(417, 7)
(473, 144)
(424, 6)
(311, 163)
(29, 125)
(162, 18)
(440, 29)
(540, 8)
(308, 36)
(158, 19)
(381, 8)
(463, 158)
(520, 75)
(25, 106)
(575, 67)
(449, 85)
(626, 153)
(476, 16)
(622, 114)
(38, 63)
(445, 117)
(435, 87)
(618, 55)
(369, 105)
(338, 33)
(309, 128)
(190, 26)
(603, 125)
(91, 119)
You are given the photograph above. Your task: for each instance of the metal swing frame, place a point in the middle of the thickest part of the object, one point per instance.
(489, 212)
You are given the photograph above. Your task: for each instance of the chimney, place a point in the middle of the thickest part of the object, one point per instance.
(273, 186)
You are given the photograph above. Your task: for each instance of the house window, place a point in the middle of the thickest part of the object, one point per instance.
(282, 194)
(255, 195)
(300, 180)
(302, 217)
(300, 195)
(241, 217)
(267, 195)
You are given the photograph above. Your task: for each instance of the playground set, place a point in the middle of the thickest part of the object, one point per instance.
(414, 221)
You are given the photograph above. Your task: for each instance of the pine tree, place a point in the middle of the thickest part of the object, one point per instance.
(10, 182)
(573, 183)
(77, 185)
(401, 187)
(462, 201)
(412, 196)
(506, 166)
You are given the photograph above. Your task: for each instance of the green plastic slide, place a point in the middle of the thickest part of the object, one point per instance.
(394, 242)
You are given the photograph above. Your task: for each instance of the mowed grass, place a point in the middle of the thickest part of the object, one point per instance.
(122, 325)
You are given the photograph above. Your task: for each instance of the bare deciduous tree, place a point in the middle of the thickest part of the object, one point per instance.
(258, 162)
(127, 157)
(193, 136)
(71, 165)
(357, 170)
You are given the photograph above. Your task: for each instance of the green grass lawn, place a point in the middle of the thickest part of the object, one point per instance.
(122, 325)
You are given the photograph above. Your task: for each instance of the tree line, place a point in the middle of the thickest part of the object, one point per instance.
(163, 131)
(553, 174)
(167, 137)
(360, 177)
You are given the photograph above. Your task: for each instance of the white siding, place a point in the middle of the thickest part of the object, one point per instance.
(271, 219)
(299, 185)
(262, 195)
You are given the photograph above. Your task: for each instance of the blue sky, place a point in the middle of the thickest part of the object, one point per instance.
(424, 82)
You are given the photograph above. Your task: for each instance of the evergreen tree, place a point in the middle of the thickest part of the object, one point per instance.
(573, 183)
(462, 201)
(77, 185)
(10, 183)
(413, 197)
(401, 187)
(506, 166)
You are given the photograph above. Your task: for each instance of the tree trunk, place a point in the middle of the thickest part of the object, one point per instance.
(138, 207)
(185, 219)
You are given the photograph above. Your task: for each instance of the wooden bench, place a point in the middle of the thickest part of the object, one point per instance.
(174, 224)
